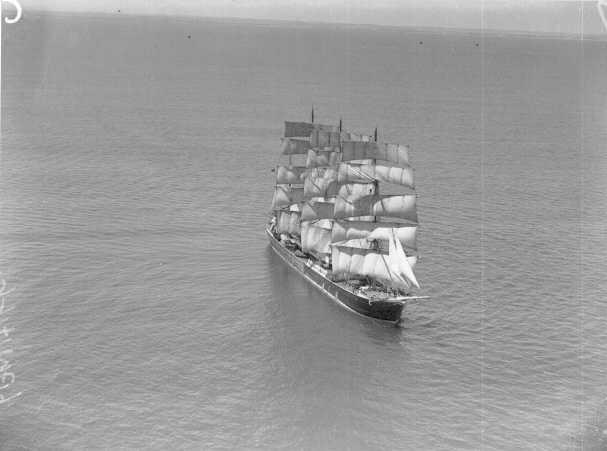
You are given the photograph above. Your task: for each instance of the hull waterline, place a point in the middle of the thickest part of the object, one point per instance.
(385, 310)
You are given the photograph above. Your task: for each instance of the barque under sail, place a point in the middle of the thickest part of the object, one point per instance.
(331, 221)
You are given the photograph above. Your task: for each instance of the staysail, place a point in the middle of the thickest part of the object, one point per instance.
(359, 258)
(399, 262)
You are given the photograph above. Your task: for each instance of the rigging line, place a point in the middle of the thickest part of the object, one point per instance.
(361, 173)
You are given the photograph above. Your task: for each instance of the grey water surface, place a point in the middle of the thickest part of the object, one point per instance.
(149, 312)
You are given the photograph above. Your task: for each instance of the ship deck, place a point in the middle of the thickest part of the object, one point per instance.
(363, 302)
(354, 286)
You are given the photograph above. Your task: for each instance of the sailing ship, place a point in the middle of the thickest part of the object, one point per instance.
(334, 221)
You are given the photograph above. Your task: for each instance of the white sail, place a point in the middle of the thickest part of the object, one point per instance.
(320, 182)
(295, 146)
(358, 258)
(353, 172)
(334, 205)
(400, 206)
(316, 236)
(399, 261)
(344, 230)
(290, 174)
(320, 158)
(357, 150)
(288, 222)
(351, 192)
(313, 210)
(285, 195)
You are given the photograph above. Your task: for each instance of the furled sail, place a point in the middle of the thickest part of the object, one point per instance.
(353, 172)
(288, 222)
(320, 158)
(359, 150)
(316, 236)
(320, 182)
(295, 146)
(359, 258)
(290, 174)
(313, 210)
(352, 192)
(400, 206)
(285, 195)
(344, 230)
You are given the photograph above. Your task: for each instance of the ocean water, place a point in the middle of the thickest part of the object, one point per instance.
(148, 311)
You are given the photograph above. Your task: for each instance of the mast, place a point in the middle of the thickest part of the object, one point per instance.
(336, 202)
(376, 181)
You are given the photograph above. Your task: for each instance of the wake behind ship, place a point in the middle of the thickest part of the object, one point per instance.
(330, 222)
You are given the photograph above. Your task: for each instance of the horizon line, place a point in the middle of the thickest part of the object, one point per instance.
(493, 31)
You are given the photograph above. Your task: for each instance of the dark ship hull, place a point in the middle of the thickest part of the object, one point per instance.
(385, 310)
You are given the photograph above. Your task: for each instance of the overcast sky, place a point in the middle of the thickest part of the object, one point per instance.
(562, 16)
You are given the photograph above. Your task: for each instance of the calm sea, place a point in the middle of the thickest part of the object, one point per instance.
(148, 311)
